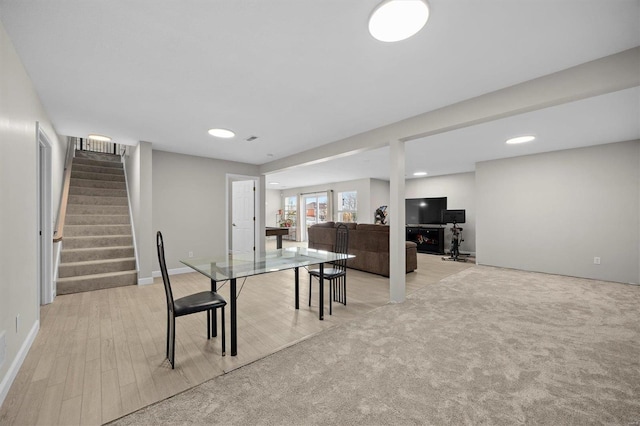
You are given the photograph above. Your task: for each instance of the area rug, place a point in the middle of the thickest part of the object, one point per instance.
(484, 346)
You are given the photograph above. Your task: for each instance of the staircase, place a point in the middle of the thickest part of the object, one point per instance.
(97, 249)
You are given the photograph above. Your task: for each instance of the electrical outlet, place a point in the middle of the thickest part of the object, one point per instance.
(190, 254)
(596, 260)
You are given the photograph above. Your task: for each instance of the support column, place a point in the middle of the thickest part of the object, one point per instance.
(260, 214)
(397, 233)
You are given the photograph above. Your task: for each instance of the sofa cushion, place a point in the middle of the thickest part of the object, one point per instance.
(349, 225)
(368, 227)
(325, 224)
(370, 241)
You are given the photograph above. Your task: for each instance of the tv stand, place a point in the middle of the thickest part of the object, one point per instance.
(429, 238)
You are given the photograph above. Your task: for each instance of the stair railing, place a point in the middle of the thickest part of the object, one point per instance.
(92, 145)
(62, 211)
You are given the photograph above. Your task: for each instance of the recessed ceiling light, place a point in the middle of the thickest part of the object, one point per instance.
(520, 139)
(420, 174)
(221, 133)
(395, 20)
(100, 138)
(274, 183)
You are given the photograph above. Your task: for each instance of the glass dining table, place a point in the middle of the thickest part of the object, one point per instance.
(234, 266)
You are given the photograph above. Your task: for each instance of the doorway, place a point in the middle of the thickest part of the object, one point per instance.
(243, 216)
(315, 208)
(44, 230)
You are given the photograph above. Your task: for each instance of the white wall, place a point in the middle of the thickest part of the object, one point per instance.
(189, 204)
(460, 190)
(555, 212)
(20, 108)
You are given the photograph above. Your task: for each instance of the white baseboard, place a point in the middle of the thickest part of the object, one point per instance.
(175, 271)
(178, 271)
(145, 281)
(12, 372)
(155, 274)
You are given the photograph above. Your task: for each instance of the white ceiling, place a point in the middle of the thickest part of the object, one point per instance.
(613, 117)
(303, 73)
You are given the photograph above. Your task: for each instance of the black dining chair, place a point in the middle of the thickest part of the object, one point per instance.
(208, 301)
(337, 273)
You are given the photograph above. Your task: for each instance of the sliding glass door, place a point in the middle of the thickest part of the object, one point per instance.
(315, 208)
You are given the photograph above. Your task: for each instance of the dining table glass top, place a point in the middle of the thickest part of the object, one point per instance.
(246, 264)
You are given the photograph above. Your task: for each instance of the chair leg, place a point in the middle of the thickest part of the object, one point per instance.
(344, 291)
(339, 290)
(310, 280)
(224, 345)
(209, 324)
(168, 327)
(332, 284)
(214, 325)
(173, 342)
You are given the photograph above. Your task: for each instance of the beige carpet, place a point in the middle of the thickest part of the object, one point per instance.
(484, 346)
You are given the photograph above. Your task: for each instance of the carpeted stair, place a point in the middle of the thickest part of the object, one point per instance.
(97, 248)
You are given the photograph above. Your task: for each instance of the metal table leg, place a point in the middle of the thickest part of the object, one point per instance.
(321, 295)
(214, 316)
(297, 288)
(234, 322)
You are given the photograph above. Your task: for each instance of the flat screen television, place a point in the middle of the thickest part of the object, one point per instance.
(424, 211)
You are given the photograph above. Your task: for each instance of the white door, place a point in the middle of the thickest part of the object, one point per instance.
(243, 216)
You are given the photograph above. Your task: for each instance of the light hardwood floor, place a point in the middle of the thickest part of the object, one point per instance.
(100, 355)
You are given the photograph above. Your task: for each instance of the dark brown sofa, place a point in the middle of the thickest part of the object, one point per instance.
(369, 243)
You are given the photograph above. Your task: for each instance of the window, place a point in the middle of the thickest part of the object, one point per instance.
(289, 217)
(348, 206)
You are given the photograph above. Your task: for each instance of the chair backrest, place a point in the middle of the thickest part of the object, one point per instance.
(342, 245)
(163, 270)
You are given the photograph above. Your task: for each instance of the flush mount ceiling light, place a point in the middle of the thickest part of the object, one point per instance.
(100, 138)
(420, 174)
(520, 139)
(395, 20)
(221, 133)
